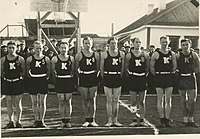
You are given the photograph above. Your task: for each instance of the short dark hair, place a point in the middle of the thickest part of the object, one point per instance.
(163, 37)
(151, 46)
(111, 39)
(87, 38)
(37, 42)
(63, 43)
(11, 43)
(133, 40)
(186, 40)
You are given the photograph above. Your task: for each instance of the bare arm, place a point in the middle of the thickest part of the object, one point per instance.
(127, 59)
(152, 62)
(103, 55)
(53, 63)
(28, 61)
(48, 67)
(98, 60)
(73, 64)
(22, 62)
(174, 61)
(2, 66)
(196, 62)
(123, 63)
(77, 59)
(147, 57)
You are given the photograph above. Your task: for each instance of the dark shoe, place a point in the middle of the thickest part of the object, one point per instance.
(18, 125)
(168, 123)
(192, 124)
(9, 125)
(42, 124)
(36, 124)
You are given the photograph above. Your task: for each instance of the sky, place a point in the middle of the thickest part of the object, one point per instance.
(98, 19)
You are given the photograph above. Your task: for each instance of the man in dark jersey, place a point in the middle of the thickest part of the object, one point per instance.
(163, 65)
(137, 68)
(12, 73)
(63, 72)
(112, 68)
(188, 65)
(38, 72)
(87, 67)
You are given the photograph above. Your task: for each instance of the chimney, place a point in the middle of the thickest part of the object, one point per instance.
(150, 8)
(162, 5)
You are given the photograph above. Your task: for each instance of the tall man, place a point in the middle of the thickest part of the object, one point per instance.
(136, 68)
(38, 72)
(112, 68)
(12, 73)
(63, 71)
(188, 65)
(87, 67)
(163, 64)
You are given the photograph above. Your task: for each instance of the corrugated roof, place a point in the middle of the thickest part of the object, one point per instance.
(155, 15)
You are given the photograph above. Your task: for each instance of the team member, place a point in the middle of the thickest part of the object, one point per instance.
(188, 65)
(112, 68)
(12, 73)
(38, 72)
(163, 64)
(87, 67)
(63, 70)
(136, 68)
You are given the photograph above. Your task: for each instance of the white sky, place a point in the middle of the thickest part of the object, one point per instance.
(101, 14)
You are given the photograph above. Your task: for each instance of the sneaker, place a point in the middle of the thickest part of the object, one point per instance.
(133, 109)
(86, 124)
(68, 125)
(18, 125)
(168, 123)
(108, 125)
(9, 125)
(162, 122)
(117, 124)
(133, 124)
(94, 124)
(62, 125)
(192, 124)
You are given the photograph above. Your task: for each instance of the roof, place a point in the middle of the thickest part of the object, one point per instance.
(177, 12)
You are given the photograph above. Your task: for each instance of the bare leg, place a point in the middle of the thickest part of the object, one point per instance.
(35, 107)
(160, 102)
(108, 93)
(184, 107)
(84, 96)
(92, 101)
(142, 108)
(18, 104)
(168, 101)
(61, 107)
(43, 98)
(10, 109)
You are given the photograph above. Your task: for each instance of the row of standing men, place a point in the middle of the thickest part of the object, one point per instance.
(164, 65)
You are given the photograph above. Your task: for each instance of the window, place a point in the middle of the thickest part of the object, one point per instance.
(174, 42)
(194, 40)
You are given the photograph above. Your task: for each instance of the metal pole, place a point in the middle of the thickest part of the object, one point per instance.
(78, 39)
(39, 37)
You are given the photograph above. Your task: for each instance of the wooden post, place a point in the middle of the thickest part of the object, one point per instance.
(78, 39)
(39, 36)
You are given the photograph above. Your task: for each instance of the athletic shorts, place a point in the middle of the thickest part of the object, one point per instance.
(64, 85)
(164, 80)
(187, 83)
(112, 81)
(137, 83)
(38, 85)
(12, 88)
(88, 80)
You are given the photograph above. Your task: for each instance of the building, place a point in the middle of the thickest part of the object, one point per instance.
(178, 19)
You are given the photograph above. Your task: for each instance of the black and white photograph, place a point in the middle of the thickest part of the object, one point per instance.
(100, 69)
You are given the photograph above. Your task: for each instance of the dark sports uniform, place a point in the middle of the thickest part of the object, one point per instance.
(112, 71)
(187, 80)
(137, 76)
(64, 78)
(88, 71)
(12, 83)
(164, 70)
(38, 72)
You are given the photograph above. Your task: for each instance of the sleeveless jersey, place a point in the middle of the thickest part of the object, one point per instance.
(164, 62)
(137, 64)
(185, 63)
(88, 63)
(63, 67)
(113, 64)
(38, 66)
(12, 68)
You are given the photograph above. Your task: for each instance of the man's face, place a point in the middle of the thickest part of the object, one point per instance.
(87, 44)
(63, 48)
(113, 44)
(12, 49)
(185, 46)
(22, 46)
(152, 49)
(164, 42)
(137, 43)
(38, 48)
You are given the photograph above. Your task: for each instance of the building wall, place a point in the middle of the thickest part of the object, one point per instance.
(156, 33)
(142, 35)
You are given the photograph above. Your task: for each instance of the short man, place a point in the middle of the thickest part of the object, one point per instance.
(112, 68)
(12, 73)
(38, 72)
(87, 67)
(188, 65)
(63, 71)
(136, 68)
(163, 65)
